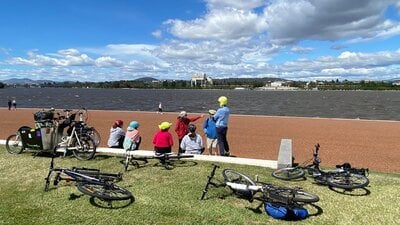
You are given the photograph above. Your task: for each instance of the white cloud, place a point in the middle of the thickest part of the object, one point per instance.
(73, 52)
(292, 21)
(227, 23)
(157, 33)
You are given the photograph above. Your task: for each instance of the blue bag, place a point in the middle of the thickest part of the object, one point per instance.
(284, 212)
(275, 210)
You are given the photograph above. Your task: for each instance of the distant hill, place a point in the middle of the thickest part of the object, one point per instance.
(146, 79)
(22, 81)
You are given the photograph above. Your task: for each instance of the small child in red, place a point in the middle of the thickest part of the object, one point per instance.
(163, 140)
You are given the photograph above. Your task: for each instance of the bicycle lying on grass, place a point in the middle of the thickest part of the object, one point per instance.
(279, 202)
(91, 182)
(344, 177)
(167, 160)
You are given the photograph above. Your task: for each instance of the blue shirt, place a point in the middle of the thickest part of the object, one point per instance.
(221, 117)
(209, 128)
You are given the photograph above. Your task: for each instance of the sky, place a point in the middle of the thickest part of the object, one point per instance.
(108, 40)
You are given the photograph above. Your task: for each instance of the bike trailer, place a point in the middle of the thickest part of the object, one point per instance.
(31, 138)
(284, 212)
(39, 138)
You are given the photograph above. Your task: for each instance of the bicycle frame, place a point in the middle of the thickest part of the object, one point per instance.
(344, 176)
(246, 188)
(101, 187)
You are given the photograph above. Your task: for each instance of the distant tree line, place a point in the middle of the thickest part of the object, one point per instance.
(229, 83)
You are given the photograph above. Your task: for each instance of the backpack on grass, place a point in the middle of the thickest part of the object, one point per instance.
(284, 212)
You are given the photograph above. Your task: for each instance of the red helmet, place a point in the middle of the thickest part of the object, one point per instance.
(119, 123)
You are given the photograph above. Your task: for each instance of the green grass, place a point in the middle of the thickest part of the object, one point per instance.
(172, 196)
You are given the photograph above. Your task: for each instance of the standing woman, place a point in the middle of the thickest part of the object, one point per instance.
(221, 118)
(182, 125)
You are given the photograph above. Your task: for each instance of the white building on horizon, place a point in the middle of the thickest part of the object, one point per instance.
(201, 80)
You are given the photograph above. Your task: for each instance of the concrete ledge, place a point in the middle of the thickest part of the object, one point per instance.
(236, 160)
(285, 154)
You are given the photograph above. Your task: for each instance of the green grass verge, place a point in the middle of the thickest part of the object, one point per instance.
(172, 196)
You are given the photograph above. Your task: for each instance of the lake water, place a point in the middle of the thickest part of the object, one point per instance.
(382, 105)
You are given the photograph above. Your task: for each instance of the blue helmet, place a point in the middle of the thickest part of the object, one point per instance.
(133, 125)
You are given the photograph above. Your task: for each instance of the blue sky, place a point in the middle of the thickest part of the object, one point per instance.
(103, 40)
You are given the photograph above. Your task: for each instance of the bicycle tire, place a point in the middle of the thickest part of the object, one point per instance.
(236, 177)
(14, 144)
(95, 135)
(86, 150)
(104, 191)
(289, 173)
(239, 178)
(287, 195)
(347, 181)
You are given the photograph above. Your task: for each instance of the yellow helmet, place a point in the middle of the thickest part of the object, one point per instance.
(165, 125)
(223, 101)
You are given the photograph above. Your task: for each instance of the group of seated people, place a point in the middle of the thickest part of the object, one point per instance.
(130, 139)
(192, 142)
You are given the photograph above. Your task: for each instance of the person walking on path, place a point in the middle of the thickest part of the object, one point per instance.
(192, 143)
(181, 127)
(221, 119)
(160, 108)
(9, 104)
(14, 104)
(163, 140)
(210, 131)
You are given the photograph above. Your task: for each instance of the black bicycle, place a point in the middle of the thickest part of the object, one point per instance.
(167, 160)
(244, 187)
(344, 177)
(91, 182)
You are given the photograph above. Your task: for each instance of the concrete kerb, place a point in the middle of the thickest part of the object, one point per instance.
(235, 160)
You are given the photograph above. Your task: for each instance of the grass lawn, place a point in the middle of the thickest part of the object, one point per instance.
(172, 196)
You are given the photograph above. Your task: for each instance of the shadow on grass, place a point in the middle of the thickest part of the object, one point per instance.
(102, 157)
(170, 164)
(352, 192)
(116, 204)
(318, 212)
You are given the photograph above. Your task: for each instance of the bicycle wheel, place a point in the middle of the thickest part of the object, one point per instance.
(288, 195)
(236, 177)
(14, 144)
(347, 181)
(239, 178)
(84, 149)
(104, 191)
(289, 173)
(95, 135)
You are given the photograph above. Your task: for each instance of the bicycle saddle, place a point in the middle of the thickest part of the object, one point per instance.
(345, 165)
